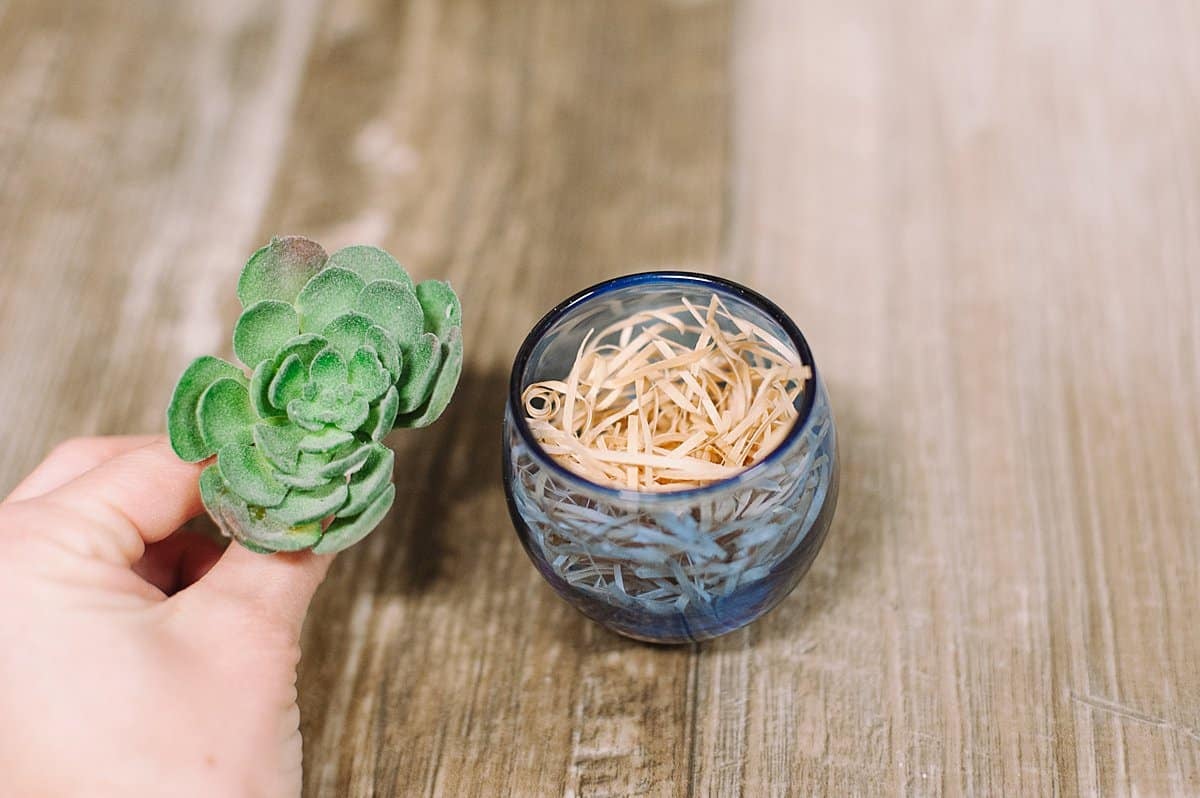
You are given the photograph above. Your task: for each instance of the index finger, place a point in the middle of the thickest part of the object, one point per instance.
(133, 499)
(70, 459)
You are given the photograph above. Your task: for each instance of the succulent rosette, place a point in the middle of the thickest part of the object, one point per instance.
(341, 349)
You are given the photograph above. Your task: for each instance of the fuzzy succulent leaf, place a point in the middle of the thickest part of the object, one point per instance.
(443, 388)
(279, 270)
(225, 414)
(262, 329)
(280, 444)
(371, 480)
(328, 370)
(355, 415)
(395, 308)
(349, 464)
(345, 532)
(313, 469)
(383, 415)
(308, 480)
(371, 264)
(325, 441)
(303, 413)
(420, 370)
(288, 383)
(307, 506)
(260, 382)
(183, 426)
(328, 295)
(211, 487)
(249, 475)
(386, 349)
(367, 375)
(315, 415)
(305, 346)
(441, 307)
(251, 526)
(348, 332)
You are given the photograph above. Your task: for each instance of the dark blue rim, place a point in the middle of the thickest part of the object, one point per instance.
(721, 285)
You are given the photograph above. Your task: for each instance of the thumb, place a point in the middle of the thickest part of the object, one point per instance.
(276, 587)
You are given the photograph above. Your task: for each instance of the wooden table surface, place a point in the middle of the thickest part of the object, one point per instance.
(985, 216)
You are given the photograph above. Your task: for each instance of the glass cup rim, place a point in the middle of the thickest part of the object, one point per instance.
(722, 284)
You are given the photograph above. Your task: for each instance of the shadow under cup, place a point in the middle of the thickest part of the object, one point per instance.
(679, 566)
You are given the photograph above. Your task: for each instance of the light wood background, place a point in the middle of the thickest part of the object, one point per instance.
(985, 215)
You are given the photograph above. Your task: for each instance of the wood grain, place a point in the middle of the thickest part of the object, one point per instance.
(985, 216)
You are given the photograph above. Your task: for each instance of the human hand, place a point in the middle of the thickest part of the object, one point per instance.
(136, 659)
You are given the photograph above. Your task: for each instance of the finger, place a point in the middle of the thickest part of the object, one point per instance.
(72, 458)
(180, 560)
(133, 499)
(279, 587)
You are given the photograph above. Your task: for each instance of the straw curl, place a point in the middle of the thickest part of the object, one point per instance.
(669, 399)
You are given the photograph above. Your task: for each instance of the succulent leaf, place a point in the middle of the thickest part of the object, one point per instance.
(248, 475)
(383, 415)
(443, 389)
(345, 532)
(389, 353)
(349, 464)
(260, 382)
(250, 526)
(328, 370)
(325, 441)
(274, 537)
(304, 413)
(263, 328)
(441, 307)
(328, 295)
(307, 506)
(225, 414)
(353, 415)
(316, 462)
(183, 426)
(305, 346)
(309, 466)
(211, 487)
(279, 270)
(288, 383)
(280, 444)
(348, 332)
(371, 264)
(371, 480)
(367, 375)
(395, 308)
(307, 480)
(420, 370)
(316, 414)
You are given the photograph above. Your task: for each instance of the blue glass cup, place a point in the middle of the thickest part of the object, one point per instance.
(670, 567)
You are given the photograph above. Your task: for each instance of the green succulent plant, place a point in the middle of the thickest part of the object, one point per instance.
(340, 350)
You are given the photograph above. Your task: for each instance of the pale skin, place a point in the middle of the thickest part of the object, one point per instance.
(137, 658)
